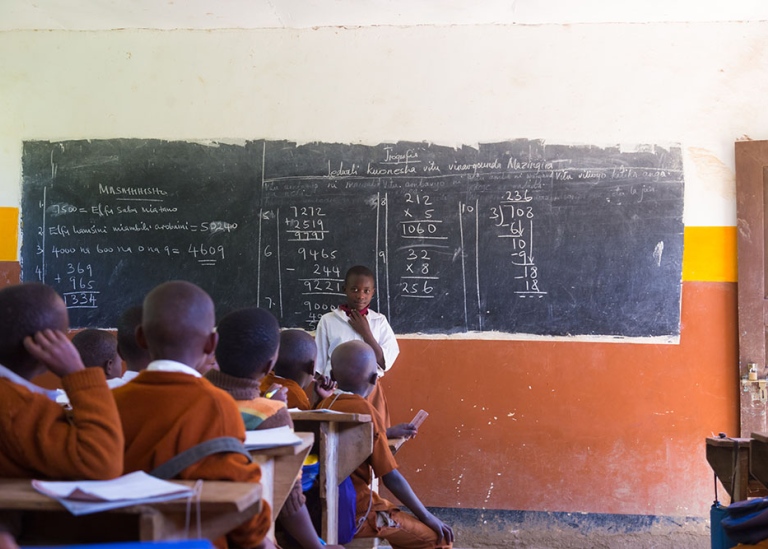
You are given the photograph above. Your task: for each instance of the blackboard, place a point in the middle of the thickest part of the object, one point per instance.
(519, 237)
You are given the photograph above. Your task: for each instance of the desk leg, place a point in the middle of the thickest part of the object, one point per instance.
(329, 487)
(268, 487)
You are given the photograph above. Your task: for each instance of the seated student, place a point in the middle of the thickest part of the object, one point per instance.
(355, 370)
(355, 321)
(295, 369)
(99, 348)
(136, 358)
(248, 344)
(38, 438)
(169, 408)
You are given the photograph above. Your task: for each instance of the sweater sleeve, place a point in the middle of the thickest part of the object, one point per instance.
(43, 440)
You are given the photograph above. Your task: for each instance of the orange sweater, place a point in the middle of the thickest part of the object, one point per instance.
(165, 413)
(39, 439)
(297, 398)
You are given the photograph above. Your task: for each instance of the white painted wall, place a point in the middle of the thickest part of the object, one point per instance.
(700, 84)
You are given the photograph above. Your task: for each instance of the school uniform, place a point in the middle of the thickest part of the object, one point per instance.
(116, 382)
(259, 413)
(334, 329)
(169, 408)
(39, 439)
(376, 516)
(297, 397)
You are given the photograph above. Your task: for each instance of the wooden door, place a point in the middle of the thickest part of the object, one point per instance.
(751, 196)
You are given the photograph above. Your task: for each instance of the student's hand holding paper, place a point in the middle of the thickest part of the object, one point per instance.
(402, 430)
(53, 348)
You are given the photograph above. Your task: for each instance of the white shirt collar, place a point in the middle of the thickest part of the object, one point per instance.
(129, 375)
(17, 379)
(171, 366)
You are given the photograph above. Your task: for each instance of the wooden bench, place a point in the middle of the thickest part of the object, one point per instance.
(223, 507)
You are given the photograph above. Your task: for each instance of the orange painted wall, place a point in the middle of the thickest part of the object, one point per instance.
(566, 426)
(578, 427)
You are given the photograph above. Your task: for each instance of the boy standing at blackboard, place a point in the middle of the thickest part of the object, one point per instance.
(354, 320)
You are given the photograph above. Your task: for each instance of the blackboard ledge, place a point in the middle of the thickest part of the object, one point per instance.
(495, 336)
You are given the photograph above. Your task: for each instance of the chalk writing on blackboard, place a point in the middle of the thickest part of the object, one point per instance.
(516, 237)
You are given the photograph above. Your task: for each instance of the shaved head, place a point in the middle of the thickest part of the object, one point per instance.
(248, 343)
(296, 360)
(135, 357)
(24, 310)
(177, 321)
(98, 348)
(353, 366)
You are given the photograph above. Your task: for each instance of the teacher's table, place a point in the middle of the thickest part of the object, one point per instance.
(223, 506)
(345, 441)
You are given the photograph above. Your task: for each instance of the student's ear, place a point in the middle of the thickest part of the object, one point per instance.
(270, 366)
(210, 343)
(141, 341)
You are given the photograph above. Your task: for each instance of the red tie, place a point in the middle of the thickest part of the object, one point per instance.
(348, 310)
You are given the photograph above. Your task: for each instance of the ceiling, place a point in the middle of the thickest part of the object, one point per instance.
(254, 14)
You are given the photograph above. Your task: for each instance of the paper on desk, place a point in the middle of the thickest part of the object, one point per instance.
(90, 496)
(315, 410)
(270, 438)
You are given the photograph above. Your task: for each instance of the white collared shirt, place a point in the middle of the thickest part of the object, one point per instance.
(171, 366)
(18, 380)
(116, 382)
(334, 329)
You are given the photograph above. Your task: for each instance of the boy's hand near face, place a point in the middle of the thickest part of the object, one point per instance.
(324, 386)
(53, 348)
(360, 324)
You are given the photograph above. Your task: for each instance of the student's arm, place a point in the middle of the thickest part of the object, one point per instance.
(396, 483)
(87, 445)
(388, 342)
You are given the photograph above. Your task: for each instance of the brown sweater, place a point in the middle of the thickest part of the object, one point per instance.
(165, 413)
(39, 439)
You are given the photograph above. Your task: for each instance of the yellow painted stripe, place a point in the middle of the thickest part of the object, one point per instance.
(9, 234)
(709, 254)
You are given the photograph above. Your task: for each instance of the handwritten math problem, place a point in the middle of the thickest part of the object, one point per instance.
(518, 237)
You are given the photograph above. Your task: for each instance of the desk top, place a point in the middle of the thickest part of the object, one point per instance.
(217, 496)
(760, 437)
(307, 439)
(728, 441)
(316, 415)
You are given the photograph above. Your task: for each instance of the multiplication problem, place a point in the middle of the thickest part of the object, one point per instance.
(419, 223)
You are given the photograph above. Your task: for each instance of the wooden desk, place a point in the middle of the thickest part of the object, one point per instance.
(733, 470)
(223, 506)
(758, 457)
(280, 467)
(345, 441)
